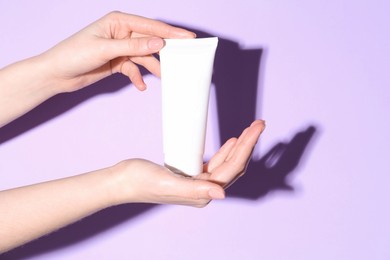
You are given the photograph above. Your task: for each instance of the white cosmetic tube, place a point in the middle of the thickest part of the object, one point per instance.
(186, 70)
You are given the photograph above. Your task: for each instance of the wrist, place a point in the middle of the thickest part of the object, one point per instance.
(129, 182)
(47, 81)
(24, 85)
(118, 185)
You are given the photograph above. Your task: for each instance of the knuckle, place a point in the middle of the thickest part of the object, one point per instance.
(136, 46)
(114, 13)
(238, 167)
(195, 196)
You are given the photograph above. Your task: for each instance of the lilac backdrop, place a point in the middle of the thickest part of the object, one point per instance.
(318, 185)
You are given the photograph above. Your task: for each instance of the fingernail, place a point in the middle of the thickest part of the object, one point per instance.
(155, 43)
(258, 121)
(185, 34)
(142, 87)
(216, 194)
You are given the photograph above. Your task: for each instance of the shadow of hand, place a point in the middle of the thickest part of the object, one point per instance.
(273, 170)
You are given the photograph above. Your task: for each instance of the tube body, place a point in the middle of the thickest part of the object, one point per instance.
(186, 70)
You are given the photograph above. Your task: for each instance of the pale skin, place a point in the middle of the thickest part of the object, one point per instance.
(117, 43)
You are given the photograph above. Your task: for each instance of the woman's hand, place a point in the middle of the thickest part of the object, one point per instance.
(143, 181)
(118, 42)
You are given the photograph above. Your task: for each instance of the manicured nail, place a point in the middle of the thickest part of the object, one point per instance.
(258, 121)
(216, 194)
(185, 34)
(155, 43)
(142, 87)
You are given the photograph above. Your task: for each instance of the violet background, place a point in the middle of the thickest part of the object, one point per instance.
(318, 186)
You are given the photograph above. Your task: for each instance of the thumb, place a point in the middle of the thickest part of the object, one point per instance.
(201, 189)
(132, 47)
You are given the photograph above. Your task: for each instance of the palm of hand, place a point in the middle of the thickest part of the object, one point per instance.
(153, 183)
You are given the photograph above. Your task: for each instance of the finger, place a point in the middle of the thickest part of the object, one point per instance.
(204, 175)
(235, 164)
(244, 147)
(224, 175)
(243, 136)
(189, 191)
(113, 48)
(239, 140)
(143, 25)
(131, 70)
(202, 190)
(148, 62)
(221, 155)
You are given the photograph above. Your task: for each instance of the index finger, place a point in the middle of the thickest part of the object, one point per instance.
(147, 26)
(245, 144)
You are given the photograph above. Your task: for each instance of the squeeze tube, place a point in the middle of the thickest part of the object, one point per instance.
(186, 70)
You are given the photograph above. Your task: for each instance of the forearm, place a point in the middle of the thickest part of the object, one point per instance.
(33, 211)
(23, 86)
